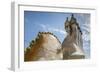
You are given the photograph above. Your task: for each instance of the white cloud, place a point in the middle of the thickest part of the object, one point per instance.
(86, 32)
(43, 26)
(86, 39)
(57, 30)
(49, 28)
(86, 27)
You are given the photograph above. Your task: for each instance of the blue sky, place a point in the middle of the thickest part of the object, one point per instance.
(54, 22)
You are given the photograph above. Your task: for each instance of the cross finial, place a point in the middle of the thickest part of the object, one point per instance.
(72, 16)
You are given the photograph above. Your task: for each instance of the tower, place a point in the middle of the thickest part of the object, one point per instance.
(73, 44)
